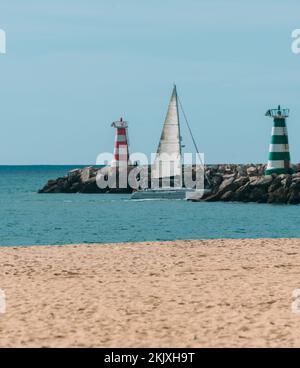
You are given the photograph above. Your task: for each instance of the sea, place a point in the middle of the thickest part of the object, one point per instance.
(29, 218)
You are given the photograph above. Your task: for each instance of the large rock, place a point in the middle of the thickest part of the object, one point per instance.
(211, 198)
(293, 197)
(295, 184)
(227, 196)
(242, 170)
(216, 180)
(90, 186)
(242, 193)
(262, 181)
(286, 182)
(85, 174)
(278, 196)
(241, 181)
(252, 171)
(258, 194)
(226, 185)
(74, 176)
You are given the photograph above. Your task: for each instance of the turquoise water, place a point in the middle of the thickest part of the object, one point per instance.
(28, 218)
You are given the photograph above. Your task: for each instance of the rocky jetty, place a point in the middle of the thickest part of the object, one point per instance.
(247, 183)
(242, 183)
(85, 180)
(81, 181)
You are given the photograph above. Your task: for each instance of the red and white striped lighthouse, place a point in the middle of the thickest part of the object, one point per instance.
(121, 151)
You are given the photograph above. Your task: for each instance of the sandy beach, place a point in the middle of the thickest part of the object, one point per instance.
(200, 293)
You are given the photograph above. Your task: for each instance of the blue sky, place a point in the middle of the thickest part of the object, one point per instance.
(72, 67)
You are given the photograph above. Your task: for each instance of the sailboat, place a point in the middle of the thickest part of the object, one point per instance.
(166, 173)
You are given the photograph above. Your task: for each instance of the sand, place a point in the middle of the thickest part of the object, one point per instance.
(201, 293)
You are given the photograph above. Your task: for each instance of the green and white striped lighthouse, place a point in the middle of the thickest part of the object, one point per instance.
(279, 154)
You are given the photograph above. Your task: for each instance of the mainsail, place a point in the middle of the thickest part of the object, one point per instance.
(167, 162)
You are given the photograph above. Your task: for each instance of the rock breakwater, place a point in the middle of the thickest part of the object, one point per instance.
(242, 183)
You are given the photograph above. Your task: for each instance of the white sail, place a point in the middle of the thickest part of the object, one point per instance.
(167, 162)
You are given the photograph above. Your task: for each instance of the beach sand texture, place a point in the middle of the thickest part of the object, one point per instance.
(200, 293)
